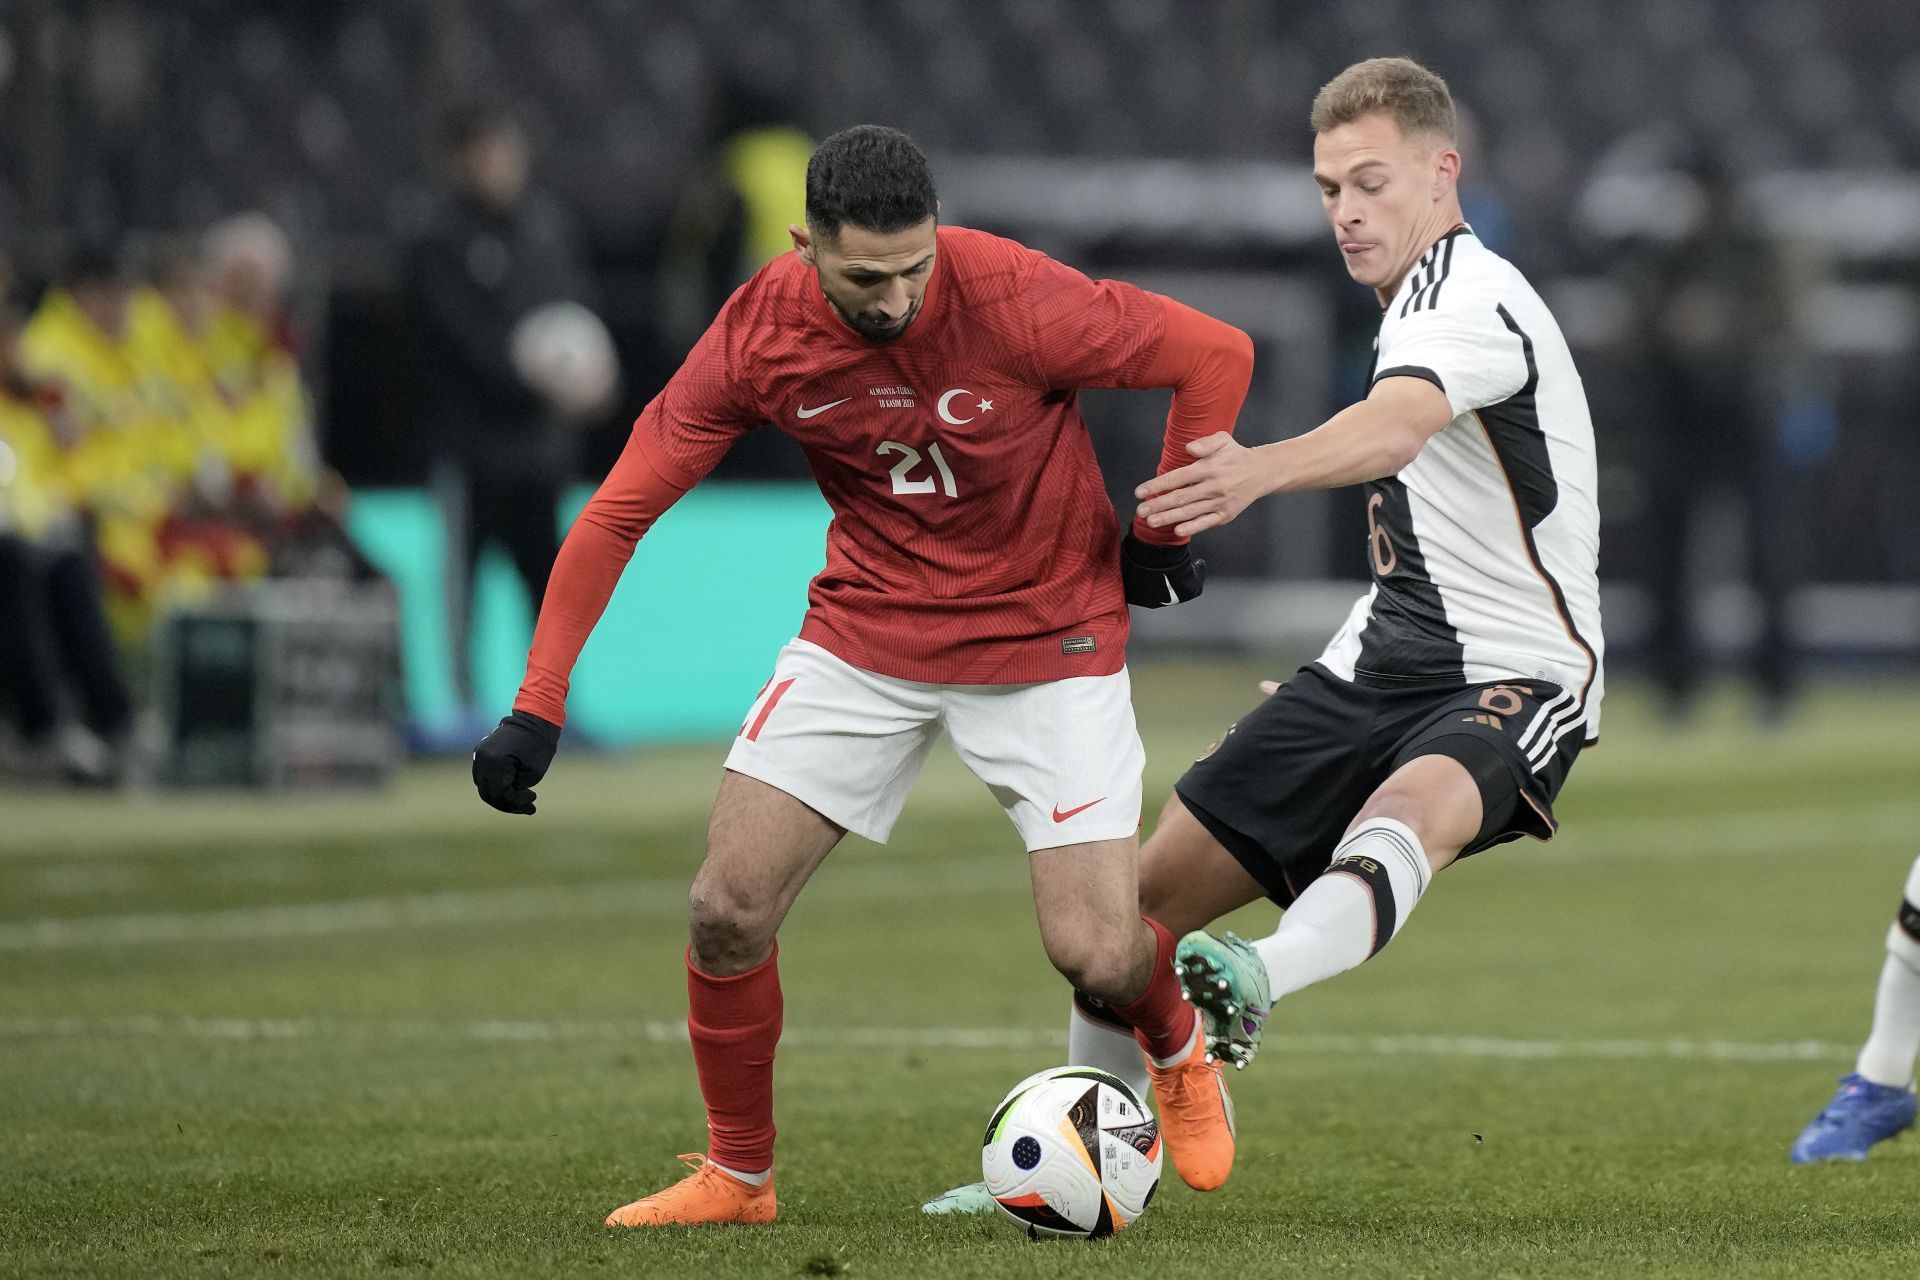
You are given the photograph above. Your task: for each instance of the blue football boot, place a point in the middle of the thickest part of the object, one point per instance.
(1861, 1114)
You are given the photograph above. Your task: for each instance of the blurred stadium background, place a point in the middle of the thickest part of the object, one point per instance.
(231, 532)
(1139, 138)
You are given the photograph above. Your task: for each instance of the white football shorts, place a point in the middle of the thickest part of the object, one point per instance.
(1062, 757)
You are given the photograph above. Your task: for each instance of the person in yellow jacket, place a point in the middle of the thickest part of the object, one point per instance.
(247, 346)
(219, 529)
(145, 462)
(75, 350)
(76, 343)
(269, 443)
(54, 637)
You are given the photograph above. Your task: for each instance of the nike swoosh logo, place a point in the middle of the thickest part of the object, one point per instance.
(808, 413)
(1173, 597)
(1062, 817)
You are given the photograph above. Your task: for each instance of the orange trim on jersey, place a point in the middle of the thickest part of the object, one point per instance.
(766, 708)
(1553, 828)
(1533, 558)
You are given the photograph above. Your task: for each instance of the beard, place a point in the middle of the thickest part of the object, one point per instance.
(871, 327)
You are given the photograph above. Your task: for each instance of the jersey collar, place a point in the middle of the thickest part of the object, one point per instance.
(1458, 228)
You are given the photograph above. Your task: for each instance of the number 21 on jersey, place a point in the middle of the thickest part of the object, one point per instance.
(910, 460)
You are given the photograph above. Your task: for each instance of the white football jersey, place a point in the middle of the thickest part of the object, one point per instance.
(1485, 549)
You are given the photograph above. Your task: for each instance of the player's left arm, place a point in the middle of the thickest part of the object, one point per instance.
(1108, 333)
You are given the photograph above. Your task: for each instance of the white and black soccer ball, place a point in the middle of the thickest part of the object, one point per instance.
(1071, 1152)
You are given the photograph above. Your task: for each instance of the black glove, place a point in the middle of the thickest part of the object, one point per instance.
(1156, 575)
(512, 758)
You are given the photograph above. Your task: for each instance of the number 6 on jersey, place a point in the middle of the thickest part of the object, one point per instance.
(909, 459)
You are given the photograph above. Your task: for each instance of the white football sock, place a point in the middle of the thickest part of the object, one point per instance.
(1894, 1042)
(751, 1179)
(1355, 908)
(1091, 1043)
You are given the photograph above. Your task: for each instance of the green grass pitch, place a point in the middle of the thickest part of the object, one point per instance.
(398, 1033)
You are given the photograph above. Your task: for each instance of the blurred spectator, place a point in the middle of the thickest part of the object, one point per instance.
(56, 651)
(497, 254)
(733, 217)
(77, 339)
(249, 350)
(730, 221)
(280, 486)
(1717, 304)
(120, 461)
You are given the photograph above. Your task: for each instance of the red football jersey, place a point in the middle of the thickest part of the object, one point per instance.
(972, 539)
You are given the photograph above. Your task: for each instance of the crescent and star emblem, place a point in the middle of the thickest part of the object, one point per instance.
(945, 407)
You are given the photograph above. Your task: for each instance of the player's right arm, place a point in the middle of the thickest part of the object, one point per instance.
(680, 436)
(1376, 437)
(1436, 365)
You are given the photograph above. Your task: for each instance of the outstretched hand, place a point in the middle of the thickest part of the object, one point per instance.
(1208, 492)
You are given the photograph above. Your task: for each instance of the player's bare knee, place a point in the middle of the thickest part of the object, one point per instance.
(729, 931)
(1400, 804)
(1434, 797)
(1098, 963)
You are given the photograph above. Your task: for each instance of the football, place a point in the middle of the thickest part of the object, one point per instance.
(1071, 1152)
(563, 351)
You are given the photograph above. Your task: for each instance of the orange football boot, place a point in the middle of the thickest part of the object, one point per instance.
(1196, 1117)
(707, 1195)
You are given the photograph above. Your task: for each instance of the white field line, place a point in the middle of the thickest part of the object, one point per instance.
(512, 1031)
(1777, 827)
(905, 878)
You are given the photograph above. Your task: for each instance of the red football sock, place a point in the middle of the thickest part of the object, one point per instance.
(1162, 1022)
(734, 1024)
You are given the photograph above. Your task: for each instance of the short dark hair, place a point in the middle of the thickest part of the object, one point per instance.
(871, 176)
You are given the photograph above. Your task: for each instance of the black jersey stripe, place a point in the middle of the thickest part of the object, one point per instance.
(1446, 265)
(1420, 268)
(1435, 263)
(1409, 371)
(1407, 635)
(1520, 447)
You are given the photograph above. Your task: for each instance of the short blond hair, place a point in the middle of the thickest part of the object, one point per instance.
(1416, 98)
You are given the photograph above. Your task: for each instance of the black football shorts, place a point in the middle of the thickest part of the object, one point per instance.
(1281, 788)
